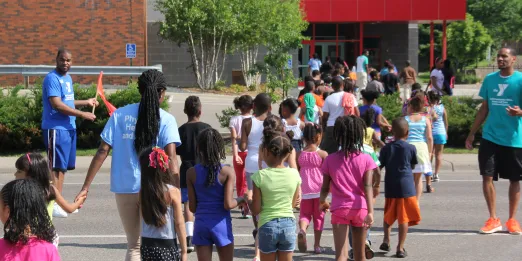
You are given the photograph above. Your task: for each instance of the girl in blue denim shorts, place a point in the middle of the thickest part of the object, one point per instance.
(276, 192)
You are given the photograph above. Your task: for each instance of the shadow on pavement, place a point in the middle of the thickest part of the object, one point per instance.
(106, 246)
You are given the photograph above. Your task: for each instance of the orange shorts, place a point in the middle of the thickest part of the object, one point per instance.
(405, 210)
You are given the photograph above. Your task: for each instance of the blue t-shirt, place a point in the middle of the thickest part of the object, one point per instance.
(56, 85)
(119, 134)
(399, 159)
(314, 64)
(378, 111)
(501, 92)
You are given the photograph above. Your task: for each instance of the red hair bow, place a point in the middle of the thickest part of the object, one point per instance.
(159, 157)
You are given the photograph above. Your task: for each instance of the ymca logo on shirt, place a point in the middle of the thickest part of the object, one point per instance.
(501, 89)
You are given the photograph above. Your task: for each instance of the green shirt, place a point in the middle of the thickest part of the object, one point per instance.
(278, 186)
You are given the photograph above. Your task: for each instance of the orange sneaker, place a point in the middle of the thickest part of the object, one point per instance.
(491, 226)
(513, 227)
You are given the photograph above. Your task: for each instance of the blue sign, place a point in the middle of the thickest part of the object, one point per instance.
(130, 50)
(290, 63)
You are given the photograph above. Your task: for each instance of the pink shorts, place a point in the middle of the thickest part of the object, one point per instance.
(310, 211)
(347, 216)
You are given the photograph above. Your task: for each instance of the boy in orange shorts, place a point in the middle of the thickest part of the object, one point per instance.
(399, 158)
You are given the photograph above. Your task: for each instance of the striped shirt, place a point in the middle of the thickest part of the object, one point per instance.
(417, 130)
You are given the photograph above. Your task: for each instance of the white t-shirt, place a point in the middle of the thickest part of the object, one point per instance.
(440, 80)
(333, 105)
(362, 61)
(236, 122)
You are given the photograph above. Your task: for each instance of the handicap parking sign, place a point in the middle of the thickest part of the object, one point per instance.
(130, 50)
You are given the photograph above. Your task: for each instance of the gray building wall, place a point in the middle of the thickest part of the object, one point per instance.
(399, 42)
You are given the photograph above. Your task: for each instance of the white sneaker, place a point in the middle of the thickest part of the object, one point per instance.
(59, 212)
(76, 211)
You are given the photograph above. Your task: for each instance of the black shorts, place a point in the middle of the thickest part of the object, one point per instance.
(500, 161)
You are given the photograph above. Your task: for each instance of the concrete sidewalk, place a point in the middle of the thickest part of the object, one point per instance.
(452, 162)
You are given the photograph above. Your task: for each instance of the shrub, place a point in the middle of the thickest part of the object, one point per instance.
(461, 113)
(466, 78)
(224, 120)
(21, 116)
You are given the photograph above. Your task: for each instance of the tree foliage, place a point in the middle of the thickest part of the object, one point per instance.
(206, 27)
(469, 41)
(502, 18)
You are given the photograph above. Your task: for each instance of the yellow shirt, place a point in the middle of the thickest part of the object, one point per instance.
(368, 138)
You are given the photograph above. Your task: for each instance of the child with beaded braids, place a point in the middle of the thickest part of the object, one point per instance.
(276, 191)
(210, 190)
(309, 162)
(348, 173)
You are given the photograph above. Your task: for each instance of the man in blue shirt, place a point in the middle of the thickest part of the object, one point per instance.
(314, 64)
(500, 151)
(58, 120)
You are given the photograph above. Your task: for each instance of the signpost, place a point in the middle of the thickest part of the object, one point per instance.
(130, 51)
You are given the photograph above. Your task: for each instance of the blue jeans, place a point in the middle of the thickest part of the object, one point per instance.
(277, 235)
(350, 236)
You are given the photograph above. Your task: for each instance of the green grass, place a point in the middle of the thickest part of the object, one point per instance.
(460, 151)
(423, 77)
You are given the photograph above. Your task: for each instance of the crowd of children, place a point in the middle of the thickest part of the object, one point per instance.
(329, 158)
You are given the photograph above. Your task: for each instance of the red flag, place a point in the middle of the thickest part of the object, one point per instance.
(99, 89)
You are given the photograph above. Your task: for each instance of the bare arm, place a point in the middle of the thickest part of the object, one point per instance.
(245, 131)
(297, 196)
(445, 115)
(377, 141)
(193, 201)
(179, 224)
(325, 120)
(57, 104)
(230, 201)
(170, 149)
(292, 162)
(429, 135)
(256, 201)
(357, 112)
(368, 192)
(96, 163)
(479, 119)
(382, 121)
(233, 137)
(64, 204)
(325, 189)
(398, 87)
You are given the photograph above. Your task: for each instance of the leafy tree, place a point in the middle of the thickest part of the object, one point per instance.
(276, 24)
(502, 18)
(469, 41)
(206, 27)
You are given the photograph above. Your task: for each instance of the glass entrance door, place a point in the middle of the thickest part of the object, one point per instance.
(322, 49)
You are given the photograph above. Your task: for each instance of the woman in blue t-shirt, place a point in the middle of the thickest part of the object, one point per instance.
(130, 130)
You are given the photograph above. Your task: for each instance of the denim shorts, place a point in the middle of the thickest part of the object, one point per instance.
(277, 235)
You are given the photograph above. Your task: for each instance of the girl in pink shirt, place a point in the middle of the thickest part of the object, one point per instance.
(348, 176)
(29, 232)
(309, 162)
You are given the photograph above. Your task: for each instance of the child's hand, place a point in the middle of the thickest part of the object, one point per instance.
(324, 206)
(80, 201)
(238, 160)
(368, 220)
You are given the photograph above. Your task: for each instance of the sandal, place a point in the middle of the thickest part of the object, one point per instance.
(368, 252)
(318, 250)
(402, 254)
(301, 241)
(429, 189)
(385, 247)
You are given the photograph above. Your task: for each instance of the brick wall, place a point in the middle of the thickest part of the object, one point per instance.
(95, 31)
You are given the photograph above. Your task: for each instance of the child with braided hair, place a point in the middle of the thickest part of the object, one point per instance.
(309, 162)
(348, 173)
(210, 190)
(276, 192)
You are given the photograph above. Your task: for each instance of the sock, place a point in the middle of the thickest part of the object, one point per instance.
(189, 228)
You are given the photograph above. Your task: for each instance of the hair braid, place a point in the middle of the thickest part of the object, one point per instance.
(150, 84)
(349, 132)
(211, 148)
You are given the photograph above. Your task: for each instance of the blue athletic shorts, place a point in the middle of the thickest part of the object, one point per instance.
(439, 139)
(184, 195)
(277, 235)
(212, 230)
(61, 149)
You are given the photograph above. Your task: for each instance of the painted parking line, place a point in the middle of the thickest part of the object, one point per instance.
(74, 183)
(328, 235)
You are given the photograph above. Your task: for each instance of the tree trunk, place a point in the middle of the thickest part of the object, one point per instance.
(248, 59)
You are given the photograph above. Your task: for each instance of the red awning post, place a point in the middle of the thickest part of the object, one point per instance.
(444, 41)
(432, 46)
